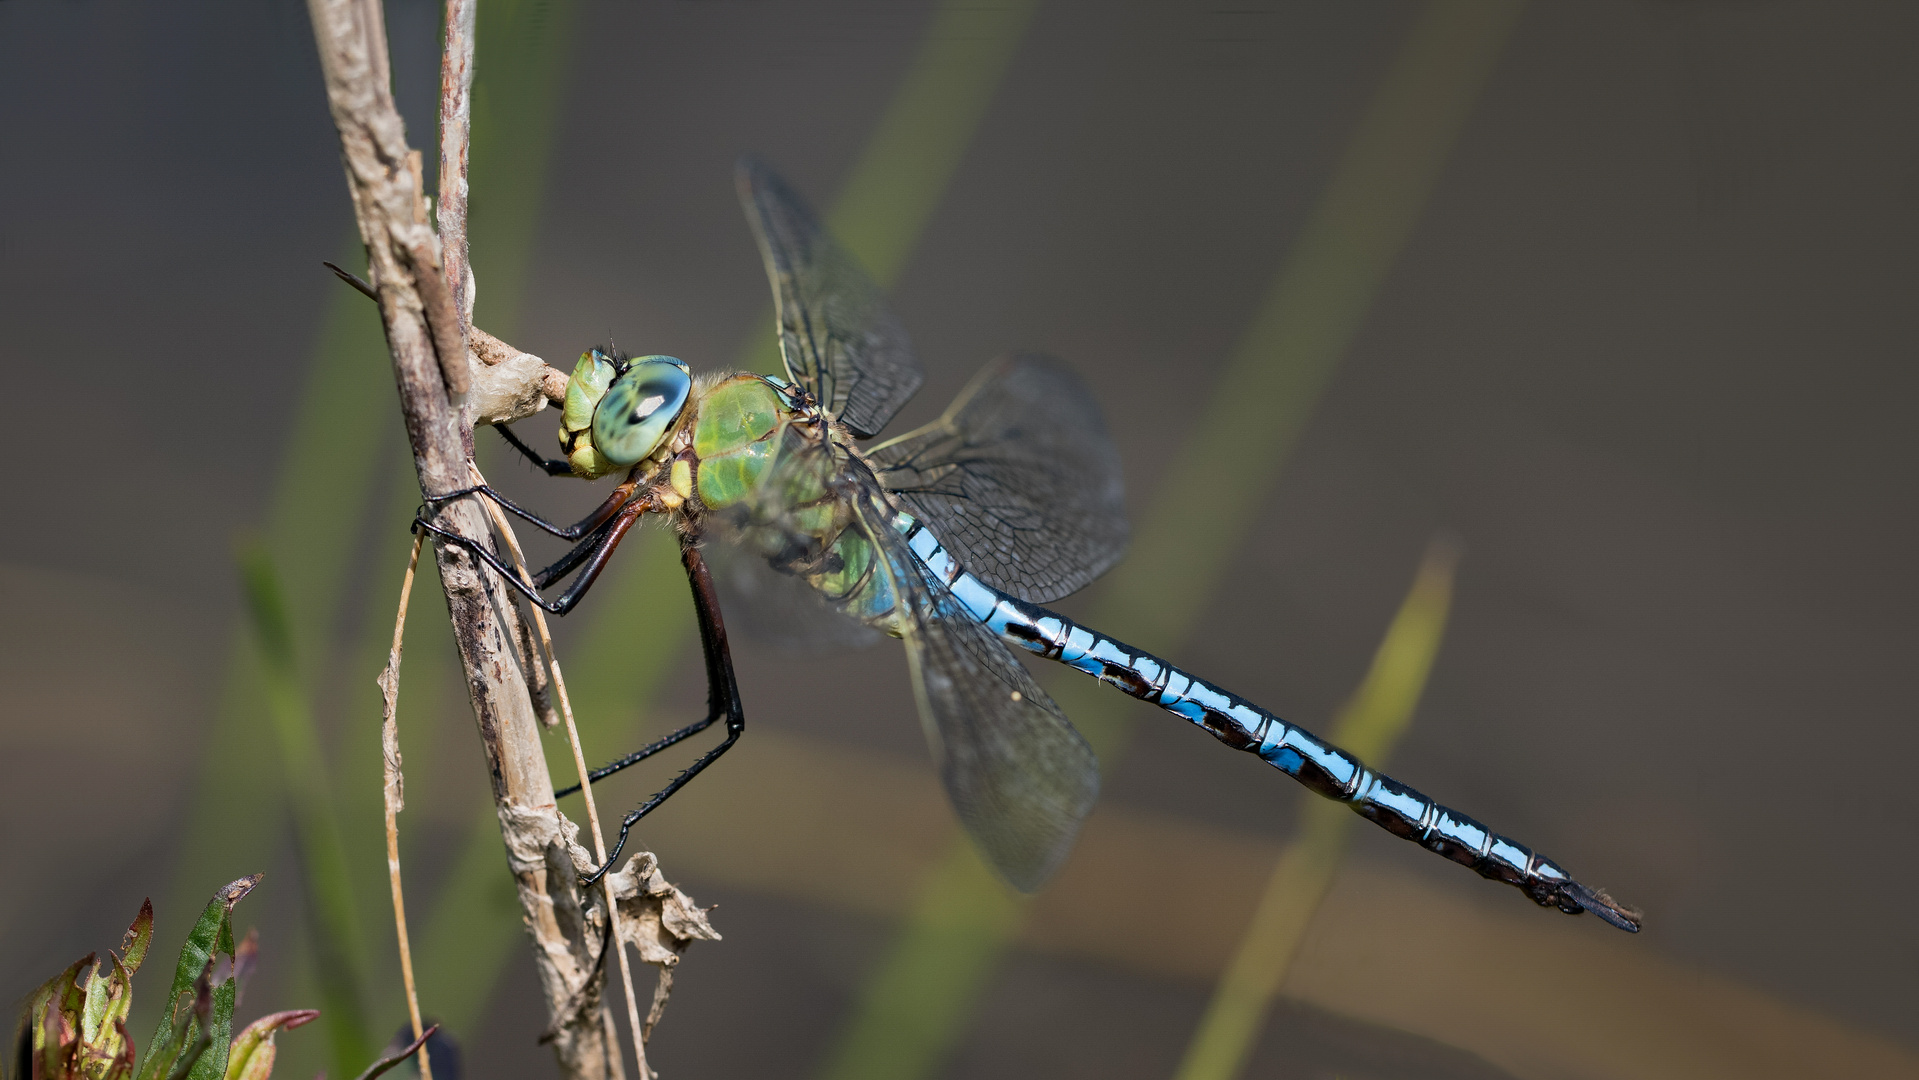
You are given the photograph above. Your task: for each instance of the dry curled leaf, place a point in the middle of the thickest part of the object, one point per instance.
(656, 917)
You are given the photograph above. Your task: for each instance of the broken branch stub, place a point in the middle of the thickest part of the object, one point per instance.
(508, 384)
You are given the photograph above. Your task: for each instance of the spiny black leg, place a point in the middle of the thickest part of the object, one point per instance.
(553, 466)
(601, 552)
(722, 698)
(600, 515)
(566, 563)
(594, 776)
(578, 554)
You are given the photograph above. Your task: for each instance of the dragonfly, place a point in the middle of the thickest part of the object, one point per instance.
(949, 537)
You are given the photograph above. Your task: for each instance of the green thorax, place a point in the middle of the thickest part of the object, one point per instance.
(738, 429)
(763, 469)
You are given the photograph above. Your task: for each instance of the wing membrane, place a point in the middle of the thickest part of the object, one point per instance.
(1019, 477)
(1020, 777)
(838, 337)
(780, 609)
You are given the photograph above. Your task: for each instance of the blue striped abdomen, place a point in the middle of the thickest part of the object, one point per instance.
(1321, 766)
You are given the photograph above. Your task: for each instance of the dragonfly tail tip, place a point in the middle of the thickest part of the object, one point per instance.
(1604, 906)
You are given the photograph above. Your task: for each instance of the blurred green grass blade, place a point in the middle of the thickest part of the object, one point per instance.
(520, 49)
(909, 160)
(325, 877)
(1271, 383)
(904, 1020)
(1382, 708)
(640, 619)
(1312, 311)
(460, 952)
(1379, 713)
(339, 433)
(341, 430)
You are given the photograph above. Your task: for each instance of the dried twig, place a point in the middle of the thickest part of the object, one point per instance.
(456, 113)
(395, 792)
(418, 1045)
(404, 267)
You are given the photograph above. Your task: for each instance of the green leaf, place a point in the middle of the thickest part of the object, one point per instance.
(54, 1012)
(49, 1041)
(121, 1067)
(111, 1042)
(93, 1006)
(69, 998)
(28, 1033)
(252, 1053)
(199, 1016)
(101, 1020)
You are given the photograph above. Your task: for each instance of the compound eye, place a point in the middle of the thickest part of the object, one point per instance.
(639, 409)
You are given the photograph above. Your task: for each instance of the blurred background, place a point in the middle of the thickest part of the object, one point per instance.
(1617, 295)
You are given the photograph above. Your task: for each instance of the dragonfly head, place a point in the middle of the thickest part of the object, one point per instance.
(618, 410)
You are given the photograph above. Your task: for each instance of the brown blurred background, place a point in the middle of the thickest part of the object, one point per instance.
(1646, 349)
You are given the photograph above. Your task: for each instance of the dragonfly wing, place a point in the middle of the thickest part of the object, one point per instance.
(1019, 775)
(1019, 478)
(780, 609)
(837, 335)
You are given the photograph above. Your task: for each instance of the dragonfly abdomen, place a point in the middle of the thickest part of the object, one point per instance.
(1322, 767)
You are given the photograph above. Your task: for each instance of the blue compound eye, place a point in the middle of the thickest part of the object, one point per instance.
(639, 408)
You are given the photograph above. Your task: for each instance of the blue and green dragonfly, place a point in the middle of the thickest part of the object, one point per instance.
(949, 538)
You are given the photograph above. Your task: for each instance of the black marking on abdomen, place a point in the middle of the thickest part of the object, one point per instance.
(1123, 677)
(1026, 632)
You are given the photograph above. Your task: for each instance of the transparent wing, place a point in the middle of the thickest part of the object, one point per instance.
(775, 534)
(837, 335)
(1019, 478)
(1020, 777)
(779, 609)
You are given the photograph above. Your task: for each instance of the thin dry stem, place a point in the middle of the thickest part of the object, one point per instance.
(395, 792)
(505, 530)
(456, 113)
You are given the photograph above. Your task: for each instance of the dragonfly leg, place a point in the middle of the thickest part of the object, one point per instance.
(578, 554)
(600, 515)
(553, 466)
(722, 700)
(597, 552)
